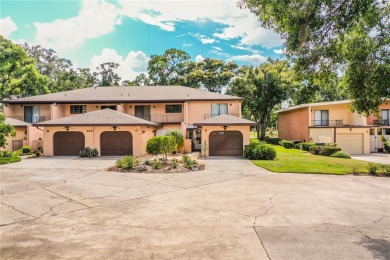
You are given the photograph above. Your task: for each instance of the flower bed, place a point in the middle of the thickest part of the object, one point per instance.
(172, 165)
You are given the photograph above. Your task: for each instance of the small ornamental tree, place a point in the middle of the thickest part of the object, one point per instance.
(5, 131)
(161, 146)
(178, 137)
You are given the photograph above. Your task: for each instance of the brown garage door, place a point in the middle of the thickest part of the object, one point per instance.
(225, 143)
(68, 143)
(116, 143)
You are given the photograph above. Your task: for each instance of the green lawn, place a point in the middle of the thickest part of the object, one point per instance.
(297, 161)
(5, 160)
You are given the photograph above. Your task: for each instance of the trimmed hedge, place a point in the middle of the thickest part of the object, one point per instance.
(341, 154)
(306, 146)
(88, 152)
(324, 150)
(287, 144)
(257, 150)
(272, 140)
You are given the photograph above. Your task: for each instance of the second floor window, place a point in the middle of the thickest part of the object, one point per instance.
(321, 117)
(78, 109)
(173, 109)
(385, 116)
(219, 109)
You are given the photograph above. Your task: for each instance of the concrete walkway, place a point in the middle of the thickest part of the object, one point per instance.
(66, 208)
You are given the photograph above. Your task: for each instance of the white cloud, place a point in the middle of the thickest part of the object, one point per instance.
(253, 59)
(134, 64)
(217, 48)
(240, 23)
(199, 58)
(203, 38)
(96, 18)
(7, 26)
(279, 51)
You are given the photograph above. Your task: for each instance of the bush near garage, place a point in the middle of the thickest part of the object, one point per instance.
(341, 154)
(324, 150)
(306, 146)
(88, 152)
(287, 144)
(26, 149)
(161, 146)
(257, 150)
(272, 140)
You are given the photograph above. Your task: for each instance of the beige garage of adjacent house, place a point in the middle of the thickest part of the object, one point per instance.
(225, 135)
(111, 132)
(351, 143)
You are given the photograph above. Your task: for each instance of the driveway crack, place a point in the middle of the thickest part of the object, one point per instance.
(12, 207)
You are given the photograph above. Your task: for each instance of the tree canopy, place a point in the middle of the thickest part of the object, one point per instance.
(263, 88)
(348, 37)
(18, 75)
(5, 131)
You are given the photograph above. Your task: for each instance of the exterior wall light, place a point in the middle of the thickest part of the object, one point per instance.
(67, 128)
(114, 127)
(224, 127)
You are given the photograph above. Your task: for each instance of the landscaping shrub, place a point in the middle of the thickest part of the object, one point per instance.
(384, 169)
(372, 168)
(386, 144)
(306, 146)
(178, 137)
(323, 150)
(328, 151)
(161, 146)
(18, 152)
(259, 151)
(315, 149)
(287, 144)
(156, 165)
(341, 154)
(11, 159)
(175, 164)
(185, 158)
(26, 149)
(297, 146)
(272, 140)
(88, 152)
(128, 162)
(5, 153)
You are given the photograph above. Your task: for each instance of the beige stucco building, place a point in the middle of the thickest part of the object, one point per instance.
(75, 119)
(334, 122)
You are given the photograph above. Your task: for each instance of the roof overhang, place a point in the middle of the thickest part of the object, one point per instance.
(48, 125)
(223, 124)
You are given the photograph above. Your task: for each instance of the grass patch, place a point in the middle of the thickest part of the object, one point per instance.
(5, 160)
(297, 161)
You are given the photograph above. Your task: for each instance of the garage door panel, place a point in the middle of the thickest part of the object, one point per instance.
(68, 143)
(351, 143)
(226, 143)
(116, 143)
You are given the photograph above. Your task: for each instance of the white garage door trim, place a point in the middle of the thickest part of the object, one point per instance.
(351, 143)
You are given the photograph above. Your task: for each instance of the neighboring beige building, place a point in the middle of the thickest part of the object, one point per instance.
(75, 119)
(334, 122)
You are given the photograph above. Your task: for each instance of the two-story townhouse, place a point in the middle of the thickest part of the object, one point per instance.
(120, 120)
(334, 122)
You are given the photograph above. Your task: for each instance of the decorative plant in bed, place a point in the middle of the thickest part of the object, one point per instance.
(161, 147)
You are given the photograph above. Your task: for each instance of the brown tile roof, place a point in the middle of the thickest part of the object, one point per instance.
(15, 122)
(125, 94)
(225, 120)
(99, 117)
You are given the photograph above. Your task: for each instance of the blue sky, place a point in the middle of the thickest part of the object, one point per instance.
(90, 32)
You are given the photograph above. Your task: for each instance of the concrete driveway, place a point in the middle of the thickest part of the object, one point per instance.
(374, 157)
(70, 208)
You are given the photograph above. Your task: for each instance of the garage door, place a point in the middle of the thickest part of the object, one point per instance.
(351, 143)
(116, 143)
(68, 143)
(225, 143)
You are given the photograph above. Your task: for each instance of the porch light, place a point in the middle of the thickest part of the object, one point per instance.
(224, 127)
(114, 127)
(67, 128)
